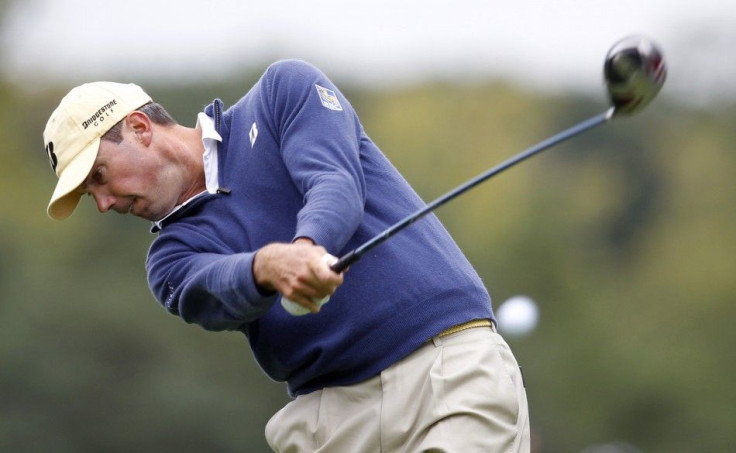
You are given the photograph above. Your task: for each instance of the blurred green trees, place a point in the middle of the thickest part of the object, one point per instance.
(624, 237)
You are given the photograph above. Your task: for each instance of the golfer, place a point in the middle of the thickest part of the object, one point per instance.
(248, 207)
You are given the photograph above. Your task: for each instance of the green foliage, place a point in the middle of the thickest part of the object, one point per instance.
(624, 236)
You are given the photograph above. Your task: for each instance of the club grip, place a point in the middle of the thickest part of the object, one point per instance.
(346, 260)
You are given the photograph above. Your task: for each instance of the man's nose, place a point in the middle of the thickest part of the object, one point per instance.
(104, 202)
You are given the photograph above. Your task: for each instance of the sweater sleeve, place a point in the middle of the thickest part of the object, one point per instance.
(320, 140)
(215, 291)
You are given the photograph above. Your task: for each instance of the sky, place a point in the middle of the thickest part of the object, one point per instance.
(539, 44)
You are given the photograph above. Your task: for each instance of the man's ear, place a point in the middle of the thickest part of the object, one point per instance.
(141, 126)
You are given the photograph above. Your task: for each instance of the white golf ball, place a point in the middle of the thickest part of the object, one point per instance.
(518, 316)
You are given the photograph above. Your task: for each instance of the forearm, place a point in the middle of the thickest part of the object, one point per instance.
(217, 292)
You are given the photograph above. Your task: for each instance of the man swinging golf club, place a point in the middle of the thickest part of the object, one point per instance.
(245, 205)
(250, 207)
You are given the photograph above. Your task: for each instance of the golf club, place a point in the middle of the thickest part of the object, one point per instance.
(634, 72)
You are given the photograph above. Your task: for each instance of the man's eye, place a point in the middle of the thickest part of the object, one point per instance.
(97, 177)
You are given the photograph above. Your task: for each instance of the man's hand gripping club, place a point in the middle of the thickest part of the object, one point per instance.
(300, 272)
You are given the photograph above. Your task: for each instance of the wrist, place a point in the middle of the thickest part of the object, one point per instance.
(259, 274)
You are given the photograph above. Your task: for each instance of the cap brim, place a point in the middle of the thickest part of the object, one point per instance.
(66, 197)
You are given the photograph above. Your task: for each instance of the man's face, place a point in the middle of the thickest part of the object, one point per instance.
(132, 178)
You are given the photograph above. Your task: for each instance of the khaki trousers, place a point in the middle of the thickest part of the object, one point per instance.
(460, 393)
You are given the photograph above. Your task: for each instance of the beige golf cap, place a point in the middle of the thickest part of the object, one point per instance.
(72, 135)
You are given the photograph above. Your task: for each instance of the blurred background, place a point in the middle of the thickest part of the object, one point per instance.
(621, 243)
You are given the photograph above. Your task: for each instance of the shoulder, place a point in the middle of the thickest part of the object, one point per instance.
(296, 82)
(293, 74)
(292, 67)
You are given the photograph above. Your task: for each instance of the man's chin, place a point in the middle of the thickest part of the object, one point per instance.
(147, 212)
(152, 217)
(143, 214)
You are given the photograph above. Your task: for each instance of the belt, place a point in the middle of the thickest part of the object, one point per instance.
(468, 325)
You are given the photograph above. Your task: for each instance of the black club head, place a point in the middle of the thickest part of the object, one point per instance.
(634, 72)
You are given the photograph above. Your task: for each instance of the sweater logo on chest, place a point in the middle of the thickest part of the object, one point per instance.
(328, 98)
(253, 134)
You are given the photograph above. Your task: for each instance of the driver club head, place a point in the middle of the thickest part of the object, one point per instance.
(634, 72)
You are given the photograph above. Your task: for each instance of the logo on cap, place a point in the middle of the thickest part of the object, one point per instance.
(100, 114)
(53, 160)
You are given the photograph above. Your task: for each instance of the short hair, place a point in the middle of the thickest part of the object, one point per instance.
(155, 112)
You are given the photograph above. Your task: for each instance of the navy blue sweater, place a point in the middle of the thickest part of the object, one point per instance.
(311, 172)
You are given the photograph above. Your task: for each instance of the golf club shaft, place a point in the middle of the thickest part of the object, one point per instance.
(356, 254)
